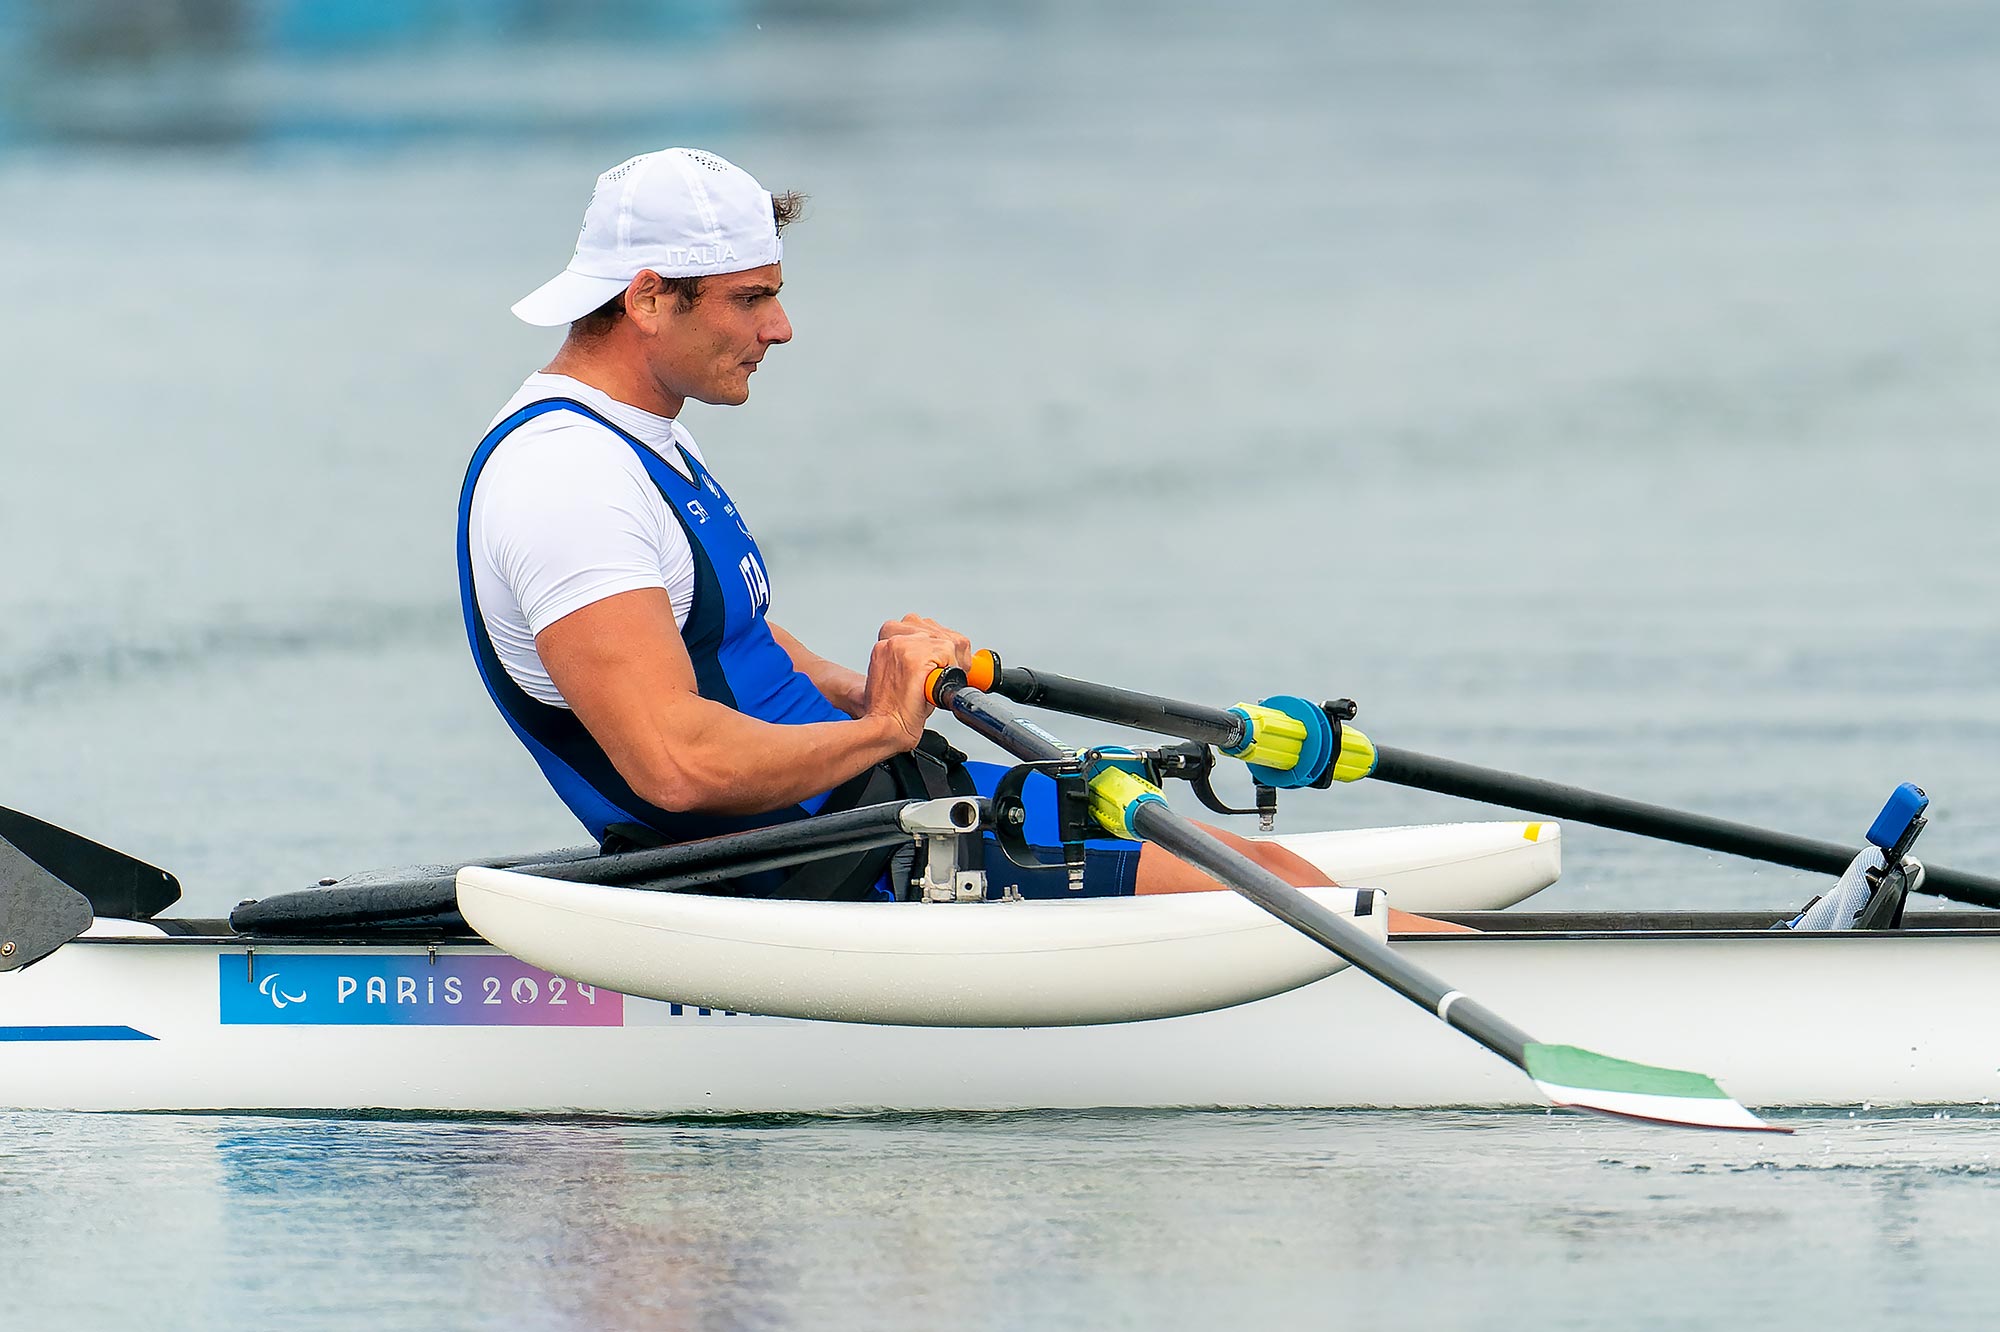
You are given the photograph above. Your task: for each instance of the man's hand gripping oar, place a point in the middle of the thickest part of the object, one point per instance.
(1127, 805)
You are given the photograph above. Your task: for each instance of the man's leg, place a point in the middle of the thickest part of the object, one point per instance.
(1162, 872)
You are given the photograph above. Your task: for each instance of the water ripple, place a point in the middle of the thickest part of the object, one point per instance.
(104, 657)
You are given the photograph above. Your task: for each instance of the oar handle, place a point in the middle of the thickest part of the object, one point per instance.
(948, 688)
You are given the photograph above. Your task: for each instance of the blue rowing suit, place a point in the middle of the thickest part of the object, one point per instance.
(736, 663)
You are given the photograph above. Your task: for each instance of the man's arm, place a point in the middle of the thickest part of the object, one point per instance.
(843, 686)
(621, 666)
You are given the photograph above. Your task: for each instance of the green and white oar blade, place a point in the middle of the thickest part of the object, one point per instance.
(1580, 1080)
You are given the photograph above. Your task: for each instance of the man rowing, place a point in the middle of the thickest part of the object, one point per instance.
(618, 605)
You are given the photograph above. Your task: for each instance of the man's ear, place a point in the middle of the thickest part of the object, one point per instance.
(644, 300)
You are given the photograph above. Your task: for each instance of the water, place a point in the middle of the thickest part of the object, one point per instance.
(1602, 394)
(1141, 1221)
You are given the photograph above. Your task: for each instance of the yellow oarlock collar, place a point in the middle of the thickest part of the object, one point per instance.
(1357, 755)
(1272, 739)
(1115, 796)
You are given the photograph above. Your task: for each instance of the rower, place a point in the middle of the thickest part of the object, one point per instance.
(618, 604)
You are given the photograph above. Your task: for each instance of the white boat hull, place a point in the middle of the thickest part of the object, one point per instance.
(1780, 1019)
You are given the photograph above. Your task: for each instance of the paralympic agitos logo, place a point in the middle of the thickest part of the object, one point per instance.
(268, 987)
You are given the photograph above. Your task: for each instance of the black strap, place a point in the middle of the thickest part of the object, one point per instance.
(942, 767)
(628, 837)
(931, 771)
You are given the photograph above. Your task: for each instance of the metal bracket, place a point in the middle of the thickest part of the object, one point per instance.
(1195, 765)
(949, 814)
(954, 852)
(947, 875)
(1073, 822)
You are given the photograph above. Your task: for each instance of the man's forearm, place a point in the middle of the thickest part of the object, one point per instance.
(723, 762)
(621, 666)
(843, 687)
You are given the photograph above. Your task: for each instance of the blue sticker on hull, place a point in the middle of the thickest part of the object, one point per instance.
(74, 1034)
(407, 990)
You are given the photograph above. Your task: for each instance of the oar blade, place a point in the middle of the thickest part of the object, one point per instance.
(114, 883)
(1580, 1079)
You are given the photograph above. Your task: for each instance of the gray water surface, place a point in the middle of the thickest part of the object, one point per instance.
(1099, 1220)
(1606, 393)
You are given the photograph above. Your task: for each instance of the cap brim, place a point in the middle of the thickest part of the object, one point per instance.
(566, 297)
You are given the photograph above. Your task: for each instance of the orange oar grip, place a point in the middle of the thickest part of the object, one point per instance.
(985, 669)
(940, 680)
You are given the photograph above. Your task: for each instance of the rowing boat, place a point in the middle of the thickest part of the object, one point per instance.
(182, 1014)
(188, 1015)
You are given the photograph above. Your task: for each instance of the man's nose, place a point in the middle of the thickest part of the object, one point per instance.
(780, 327)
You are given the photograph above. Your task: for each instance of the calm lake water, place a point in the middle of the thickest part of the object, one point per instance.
(1608, 395)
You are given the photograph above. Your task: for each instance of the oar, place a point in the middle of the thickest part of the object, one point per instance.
(114, 883)
(1127, 805)
(1403, 767)
(120, 886)
(430, 893)
(1279, 743)
(129, 889)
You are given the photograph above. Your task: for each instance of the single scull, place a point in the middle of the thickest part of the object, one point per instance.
(131, 1017)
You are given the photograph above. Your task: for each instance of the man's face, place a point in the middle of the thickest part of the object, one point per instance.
(708, 353)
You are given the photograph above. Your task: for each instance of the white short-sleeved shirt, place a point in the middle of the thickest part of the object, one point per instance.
(564, 514)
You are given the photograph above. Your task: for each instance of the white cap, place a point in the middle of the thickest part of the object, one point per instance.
(680, 212)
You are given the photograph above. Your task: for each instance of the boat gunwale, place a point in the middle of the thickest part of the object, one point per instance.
(1492, 927)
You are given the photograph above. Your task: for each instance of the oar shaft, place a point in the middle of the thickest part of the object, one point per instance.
(1017, 735)
(369, 899)
(1124, 707)
(1402, 767)
(1171, 832)
(777, 847)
